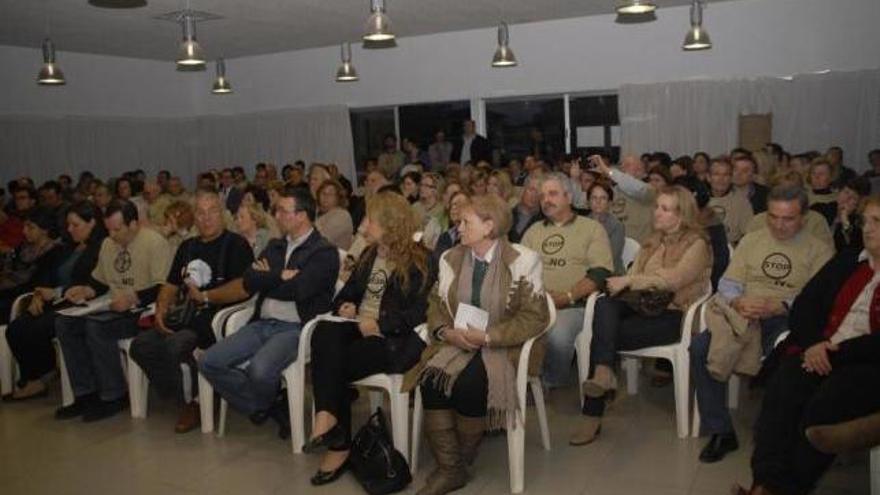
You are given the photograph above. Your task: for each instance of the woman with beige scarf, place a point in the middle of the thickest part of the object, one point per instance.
(467, 375)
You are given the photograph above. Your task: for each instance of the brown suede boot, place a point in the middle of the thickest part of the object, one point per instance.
(853, 435)
(470, 434)
(441, 432)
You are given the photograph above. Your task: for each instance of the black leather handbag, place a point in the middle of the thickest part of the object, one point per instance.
(378, 467)
(649, 302)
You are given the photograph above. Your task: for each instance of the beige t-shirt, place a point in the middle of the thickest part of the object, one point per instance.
(636, 216)
(141, 264)
(379, 275)
(768, 267)
(815, 224)
(821, 198)
(569, 250)
(735, 212)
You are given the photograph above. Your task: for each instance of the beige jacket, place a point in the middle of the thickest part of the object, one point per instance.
(526, 313)
(736, 344)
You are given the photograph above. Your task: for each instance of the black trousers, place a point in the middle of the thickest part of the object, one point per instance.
(616, 327)
(469, 393)
(341, 355)
(783, 460)
(30, 339)
(161, 355)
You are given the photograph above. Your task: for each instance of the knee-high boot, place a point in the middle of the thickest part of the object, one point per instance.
(441, 432)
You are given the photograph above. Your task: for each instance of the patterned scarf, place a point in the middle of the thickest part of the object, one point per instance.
(445, 366)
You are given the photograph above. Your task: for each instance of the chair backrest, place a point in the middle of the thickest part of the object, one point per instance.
(631, 249)
(18, 305)
(695, 310)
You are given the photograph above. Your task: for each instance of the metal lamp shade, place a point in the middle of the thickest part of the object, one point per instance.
(636, 7)
(50, 74)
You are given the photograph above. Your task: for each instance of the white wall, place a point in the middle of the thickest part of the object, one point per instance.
(751, 38)
(97, 85)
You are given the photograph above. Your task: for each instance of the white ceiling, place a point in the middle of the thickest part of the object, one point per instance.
(262, 26)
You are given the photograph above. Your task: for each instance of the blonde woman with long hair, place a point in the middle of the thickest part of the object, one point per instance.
(675, 257)
(385, 299)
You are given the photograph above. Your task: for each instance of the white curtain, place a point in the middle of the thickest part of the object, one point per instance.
(810, 112)
(43, 147)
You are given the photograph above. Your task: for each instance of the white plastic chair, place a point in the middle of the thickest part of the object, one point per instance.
(294, 377)
(206, 391)
(677, 353)
(679, 356)
(8, 366)
(67, 397)
(875, 471)
(631, 249)
(516, 422)
(138, 383)
(221, 324)
(583, 341)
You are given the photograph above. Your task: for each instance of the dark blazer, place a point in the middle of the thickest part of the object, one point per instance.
(400, 312)
(480, 150)
(513, 235)
(812, 307)
(312, 289)
(758, 198)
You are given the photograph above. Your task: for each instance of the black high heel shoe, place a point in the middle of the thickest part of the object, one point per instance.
(332, 437)
(325, 477)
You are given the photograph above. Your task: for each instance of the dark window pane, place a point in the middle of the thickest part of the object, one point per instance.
(419, 122)
(368, 128)
(592, 120)
(519, 128)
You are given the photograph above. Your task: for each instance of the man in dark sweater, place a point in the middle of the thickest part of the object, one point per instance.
(294, 279)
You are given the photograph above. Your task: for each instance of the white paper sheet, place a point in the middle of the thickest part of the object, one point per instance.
(96, 305)
(469, 315)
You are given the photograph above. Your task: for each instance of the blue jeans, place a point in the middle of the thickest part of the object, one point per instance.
(91, 353)
(560, 346)
(711, 393)
(245, 368)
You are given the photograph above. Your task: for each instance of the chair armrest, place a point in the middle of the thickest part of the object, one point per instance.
(18, 305)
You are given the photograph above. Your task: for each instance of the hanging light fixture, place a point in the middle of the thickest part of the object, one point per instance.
(697, 38)
(221, 85)
(190, 55)
(346, 72)
(378, 24)
(118, 4)
(50, 74)
(636, 7)
(504, 56)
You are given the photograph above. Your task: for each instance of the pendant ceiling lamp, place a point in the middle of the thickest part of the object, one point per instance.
(636, 7)
(697, 38)
(190, 55)
(50, 74)
(346, 72)
(221, 84)
(504, 56)
(118, 4)
(378, 24)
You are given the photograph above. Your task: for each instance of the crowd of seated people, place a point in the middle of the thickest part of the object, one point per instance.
(426, 231)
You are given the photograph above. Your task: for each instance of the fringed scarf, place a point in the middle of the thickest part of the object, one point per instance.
(444, 367)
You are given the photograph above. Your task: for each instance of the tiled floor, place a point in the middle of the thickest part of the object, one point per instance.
(638, 453)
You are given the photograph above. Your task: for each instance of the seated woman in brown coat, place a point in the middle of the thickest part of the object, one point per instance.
(467, 375)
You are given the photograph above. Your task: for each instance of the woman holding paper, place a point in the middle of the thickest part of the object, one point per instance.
(489, 300)
(381, 304)
(30, 335)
